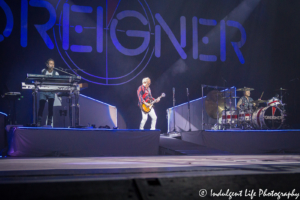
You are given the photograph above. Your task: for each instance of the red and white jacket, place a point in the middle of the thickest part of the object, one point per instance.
(144, 95)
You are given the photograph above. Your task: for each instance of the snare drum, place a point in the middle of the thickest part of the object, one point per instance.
(274, 102)
(244, 115)
(231, 117)
(270, 117)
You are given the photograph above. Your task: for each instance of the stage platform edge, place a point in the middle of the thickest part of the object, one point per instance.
(247, 141)
(74, 142)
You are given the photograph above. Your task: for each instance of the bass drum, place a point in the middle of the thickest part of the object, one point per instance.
(270, 117)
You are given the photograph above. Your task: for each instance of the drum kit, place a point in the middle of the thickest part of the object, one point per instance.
(259, 114)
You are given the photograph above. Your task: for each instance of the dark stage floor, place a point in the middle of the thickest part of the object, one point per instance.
(148, 177)
(183, 170)
(25, 170)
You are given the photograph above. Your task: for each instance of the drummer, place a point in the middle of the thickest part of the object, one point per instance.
(245, 101)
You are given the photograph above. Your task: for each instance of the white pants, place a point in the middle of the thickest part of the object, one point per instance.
(145, 117)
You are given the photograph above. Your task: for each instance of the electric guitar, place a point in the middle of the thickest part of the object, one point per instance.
(147, 109)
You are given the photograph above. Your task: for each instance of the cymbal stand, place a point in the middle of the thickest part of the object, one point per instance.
(230, 111)
(223, 124)
(244, 115)
(281, 96)
(218, 114)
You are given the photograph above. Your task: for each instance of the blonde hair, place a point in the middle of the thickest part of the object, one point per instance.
(145, 80)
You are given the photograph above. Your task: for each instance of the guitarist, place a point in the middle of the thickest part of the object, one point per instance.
(144, 96)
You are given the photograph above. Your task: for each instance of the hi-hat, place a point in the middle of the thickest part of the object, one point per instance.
(214, 103)
(244, 89)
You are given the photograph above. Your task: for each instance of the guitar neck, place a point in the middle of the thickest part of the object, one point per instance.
(155, 101)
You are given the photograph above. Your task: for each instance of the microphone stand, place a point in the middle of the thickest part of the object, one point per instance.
(63, 71)
(174, 130)
(76, 96)
(187, 93)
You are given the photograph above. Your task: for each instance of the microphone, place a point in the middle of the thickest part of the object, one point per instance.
(187, 91)
(173, 93)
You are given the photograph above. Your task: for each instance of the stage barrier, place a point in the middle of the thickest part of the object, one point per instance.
(196, 108)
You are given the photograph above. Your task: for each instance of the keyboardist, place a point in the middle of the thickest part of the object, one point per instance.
(49, 71)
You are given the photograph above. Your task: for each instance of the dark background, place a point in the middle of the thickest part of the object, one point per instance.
(270, 52)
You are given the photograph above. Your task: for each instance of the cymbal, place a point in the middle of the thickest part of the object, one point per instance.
(214, 103)
(244, 89)
(280, 89)
(259, 101)
(230, 97)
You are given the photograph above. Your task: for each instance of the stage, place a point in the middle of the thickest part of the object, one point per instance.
(58, 163)
(81, 163)
(91, 142)
(22, 170)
